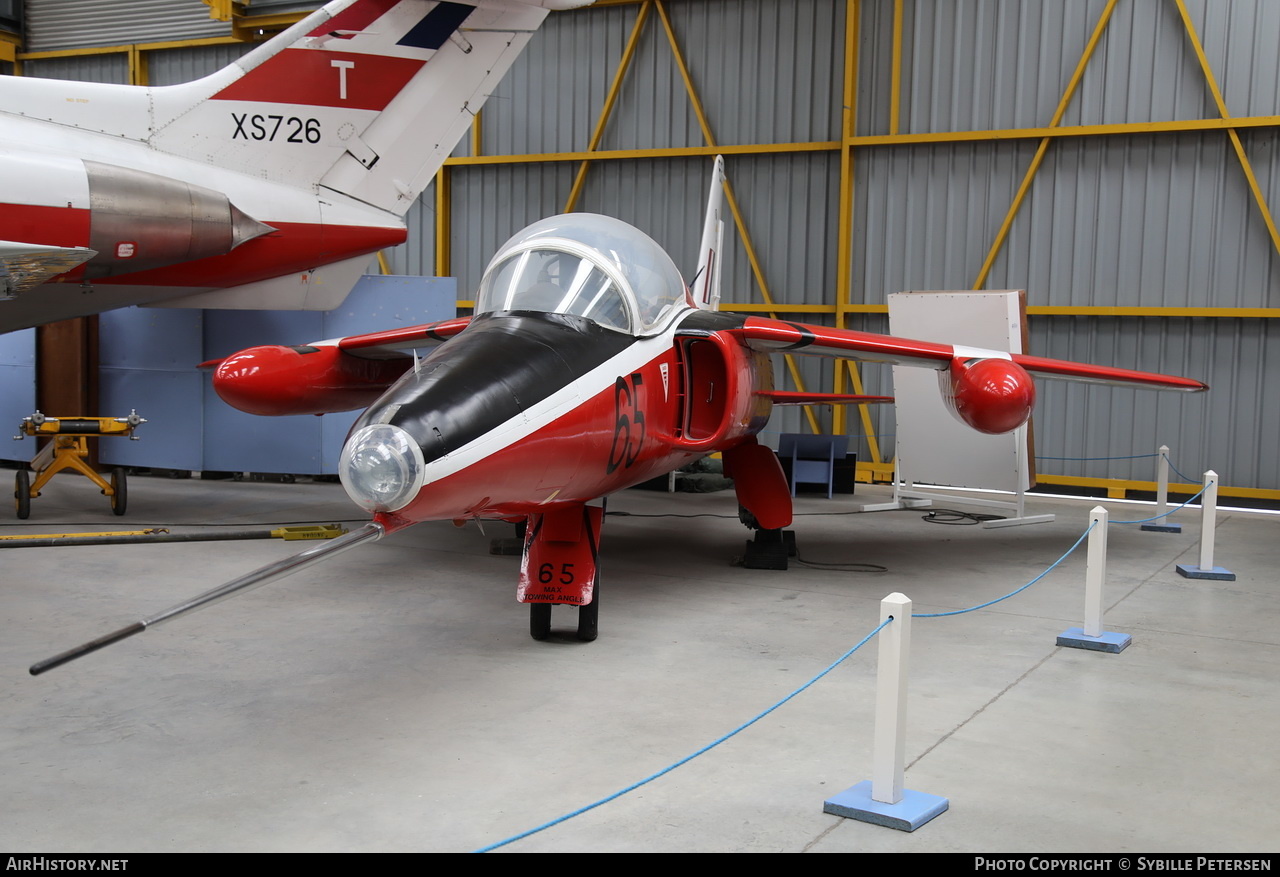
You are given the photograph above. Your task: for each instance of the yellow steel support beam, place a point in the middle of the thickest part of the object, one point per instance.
(9, 44)
(611, 99)
(1212, 82)
(844, 216)
(683, 69)
(844, 252)
(255, 27)
(1027, 178)
(127, 48)
(223, 10)
(653, 152)
(1119, 129)
(444, 224)
(1121, 485)
(873, 443)
(1173, 126)
(895, 81)
(730, 198)
(1106, 311)
(1032, 310)
(139, 69)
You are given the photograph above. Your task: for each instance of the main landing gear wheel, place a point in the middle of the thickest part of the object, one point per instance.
(119, 491)
(769, 549)
(22, 494)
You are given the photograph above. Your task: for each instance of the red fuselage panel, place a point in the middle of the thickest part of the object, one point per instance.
(293, 248)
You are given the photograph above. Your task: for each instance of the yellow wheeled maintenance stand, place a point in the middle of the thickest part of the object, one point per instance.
(68, 450)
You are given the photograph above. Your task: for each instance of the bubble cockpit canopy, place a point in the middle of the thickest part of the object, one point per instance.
(587, 265)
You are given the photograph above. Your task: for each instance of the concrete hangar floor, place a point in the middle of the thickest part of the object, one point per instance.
(392, 699)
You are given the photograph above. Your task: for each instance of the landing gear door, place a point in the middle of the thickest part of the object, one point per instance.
(561, 549)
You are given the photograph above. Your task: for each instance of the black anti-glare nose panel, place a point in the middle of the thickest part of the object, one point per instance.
(501, 365)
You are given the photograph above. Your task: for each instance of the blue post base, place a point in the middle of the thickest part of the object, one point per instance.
(1217, 573)
(913, 811)
(1163, 528)
(1107, 641)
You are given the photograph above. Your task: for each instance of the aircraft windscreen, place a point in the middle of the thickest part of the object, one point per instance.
(591, 266)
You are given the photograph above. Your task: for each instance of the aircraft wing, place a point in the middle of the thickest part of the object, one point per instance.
(396, 342)
(782, 336)
(24, 266)
(779, 397)
(341, 374)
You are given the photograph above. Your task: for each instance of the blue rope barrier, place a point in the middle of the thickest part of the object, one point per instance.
(1086, 459)
(1180, 475)
(1088, 529)
(1165, 515)
(687, 758)
(832, 666)
(1129, 457)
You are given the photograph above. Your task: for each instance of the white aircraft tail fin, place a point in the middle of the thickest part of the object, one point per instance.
(365, 97)
(706, 282)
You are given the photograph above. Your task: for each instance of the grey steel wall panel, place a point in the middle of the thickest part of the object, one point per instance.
(173, 66)
(928, 214)
(1139, 220)
(1231, 429)
(58, 24)
(1127, 221)
(417, 255)
(80, 68)
(1143, 221)
(765, 72)
(493, 202)
(991, 64)
(788, 201)
(551, 97)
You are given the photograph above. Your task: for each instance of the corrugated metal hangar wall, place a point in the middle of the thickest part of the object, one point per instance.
(1079, 150)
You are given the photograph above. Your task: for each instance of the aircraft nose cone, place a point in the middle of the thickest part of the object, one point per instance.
(381, 468)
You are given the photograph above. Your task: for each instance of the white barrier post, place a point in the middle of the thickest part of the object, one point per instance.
(1208, 518)
(1161, 524)
(1092, 636)
(1095, 571)
(882, 800)
(888, 755)
(1208, 526)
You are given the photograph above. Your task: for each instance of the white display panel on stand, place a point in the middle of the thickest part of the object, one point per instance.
(932, 446)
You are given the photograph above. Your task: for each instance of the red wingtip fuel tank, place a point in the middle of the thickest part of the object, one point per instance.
(991, 395)
(275, 380)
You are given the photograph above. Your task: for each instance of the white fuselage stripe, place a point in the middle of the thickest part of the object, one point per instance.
(550, 409)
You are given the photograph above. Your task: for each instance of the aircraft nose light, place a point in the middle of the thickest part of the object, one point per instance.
(382, 468)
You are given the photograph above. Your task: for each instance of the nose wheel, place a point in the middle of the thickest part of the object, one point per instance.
(588, 619)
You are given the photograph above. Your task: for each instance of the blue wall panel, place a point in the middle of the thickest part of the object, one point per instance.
(148, 362)
(17, 390)
(239, 442)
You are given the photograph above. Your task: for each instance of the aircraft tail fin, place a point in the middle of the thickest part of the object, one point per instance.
(706, 282)
(365, 97)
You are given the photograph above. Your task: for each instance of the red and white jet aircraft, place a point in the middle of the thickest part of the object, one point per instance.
(265, 185)
(589, 366)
